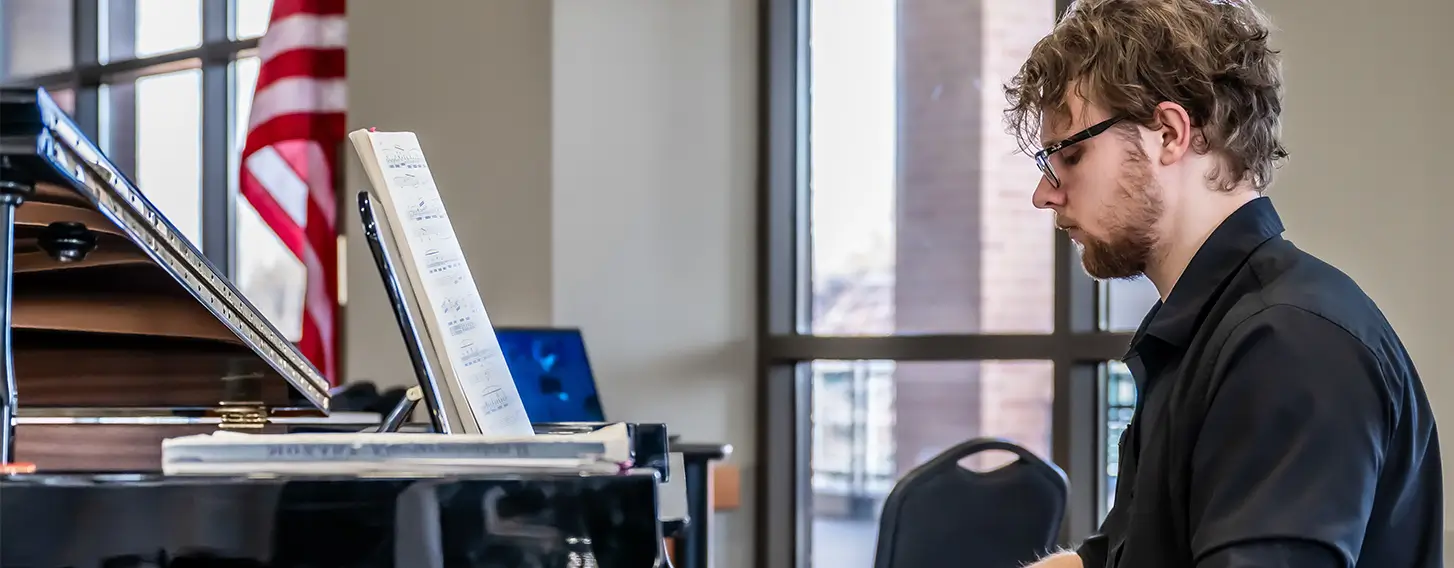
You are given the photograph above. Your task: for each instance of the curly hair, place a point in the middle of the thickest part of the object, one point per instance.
(1210, 56)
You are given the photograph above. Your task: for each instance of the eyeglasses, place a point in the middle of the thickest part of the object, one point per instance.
(1042, 158)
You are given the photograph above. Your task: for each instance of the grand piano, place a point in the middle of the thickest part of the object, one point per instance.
(116, 333)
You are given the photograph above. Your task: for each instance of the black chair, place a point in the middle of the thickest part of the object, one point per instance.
(943, 514)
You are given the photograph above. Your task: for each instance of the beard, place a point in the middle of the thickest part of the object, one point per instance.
(1131, 241)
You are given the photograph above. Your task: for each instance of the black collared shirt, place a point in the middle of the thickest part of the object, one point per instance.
(1279, 422)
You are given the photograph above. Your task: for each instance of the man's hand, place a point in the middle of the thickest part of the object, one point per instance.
(1059, 560)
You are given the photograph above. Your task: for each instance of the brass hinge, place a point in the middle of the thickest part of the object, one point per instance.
(242, 415)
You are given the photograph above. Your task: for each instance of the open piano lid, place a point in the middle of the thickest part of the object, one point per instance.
(140, 327)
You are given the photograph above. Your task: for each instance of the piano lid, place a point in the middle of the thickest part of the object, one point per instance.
(113, 307)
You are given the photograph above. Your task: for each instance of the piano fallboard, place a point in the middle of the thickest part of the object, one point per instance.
(485, 521)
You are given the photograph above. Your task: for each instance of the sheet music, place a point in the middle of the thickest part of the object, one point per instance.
(436, 264)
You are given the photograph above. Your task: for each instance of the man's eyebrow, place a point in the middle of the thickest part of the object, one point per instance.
(1047, 141)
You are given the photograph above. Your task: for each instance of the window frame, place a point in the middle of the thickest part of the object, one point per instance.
(214, 57)
(1077, 347)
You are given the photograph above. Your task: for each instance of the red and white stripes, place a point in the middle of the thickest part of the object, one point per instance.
(294, 132)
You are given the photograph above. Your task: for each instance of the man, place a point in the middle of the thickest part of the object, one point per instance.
(1279, 420)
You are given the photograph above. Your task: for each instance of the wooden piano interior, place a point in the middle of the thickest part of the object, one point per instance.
(111, 328)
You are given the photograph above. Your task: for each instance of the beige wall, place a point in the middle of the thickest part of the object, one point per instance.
(473, 80)
(655, 173)
(601, 175)
(1368, 183)
(627, 213)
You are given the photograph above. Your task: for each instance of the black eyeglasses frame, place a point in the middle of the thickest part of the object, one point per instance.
(1042, 158)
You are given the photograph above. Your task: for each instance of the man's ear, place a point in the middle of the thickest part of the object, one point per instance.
(1176, 132)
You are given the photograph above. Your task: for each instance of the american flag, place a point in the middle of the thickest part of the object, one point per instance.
(294, 134)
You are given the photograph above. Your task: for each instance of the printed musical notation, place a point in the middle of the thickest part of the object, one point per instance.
(460, 326)
(409, 181)
(495, 399)
(437, 261)
(460, 313)
(426, 209)
(432, 234)
(472, 353)
(399, 157)
(449, 278)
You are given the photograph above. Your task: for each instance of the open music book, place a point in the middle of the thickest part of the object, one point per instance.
(456, 327)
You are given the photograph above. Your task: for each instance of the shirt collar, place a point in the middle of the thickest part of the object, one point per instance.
(1225, 251)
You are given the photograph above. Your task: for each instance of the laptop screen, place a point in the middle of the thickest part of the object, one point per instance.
(552, 373)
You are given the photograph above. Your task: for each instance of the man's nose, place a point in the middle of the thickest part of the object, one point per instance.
(1047, 196)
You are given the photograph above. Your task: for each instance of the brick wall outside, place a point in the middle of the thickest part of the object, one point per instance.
(973, 256)
(1017, 272)
(938, 252)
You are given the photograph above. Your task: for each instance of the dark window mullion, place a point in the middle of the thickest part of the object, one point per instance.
(86, 47)
(1077, 400)
(120, 23)
(216, 21)
(85, 33)
(1074, 444)
(784, 429)
(217, 109)
(1077, 346)
(119, 122)
(1078, 396)
(216, 188)
(119, 112)
(965, 347)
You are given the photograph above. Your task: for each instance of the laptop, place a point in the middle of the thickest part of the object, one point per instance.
(554, 377)
(552, 373)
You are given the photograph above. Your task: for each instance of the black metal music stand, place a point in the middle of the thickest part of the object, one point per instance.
(15, 187)
(429, 382)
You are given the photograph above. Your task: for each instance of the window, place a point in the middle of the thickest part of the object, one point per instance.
(874, 421)
(168, 146)
(853, 419)
(35, 37)
(1124, 303)
(915, 298)
(165, 88)
(1120, 404)
(164, 26)
(267, 272)
(918, 223)
(252, 17)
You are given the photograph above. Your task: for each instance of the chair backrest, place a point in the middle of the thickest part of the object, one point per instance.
(943, 514)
